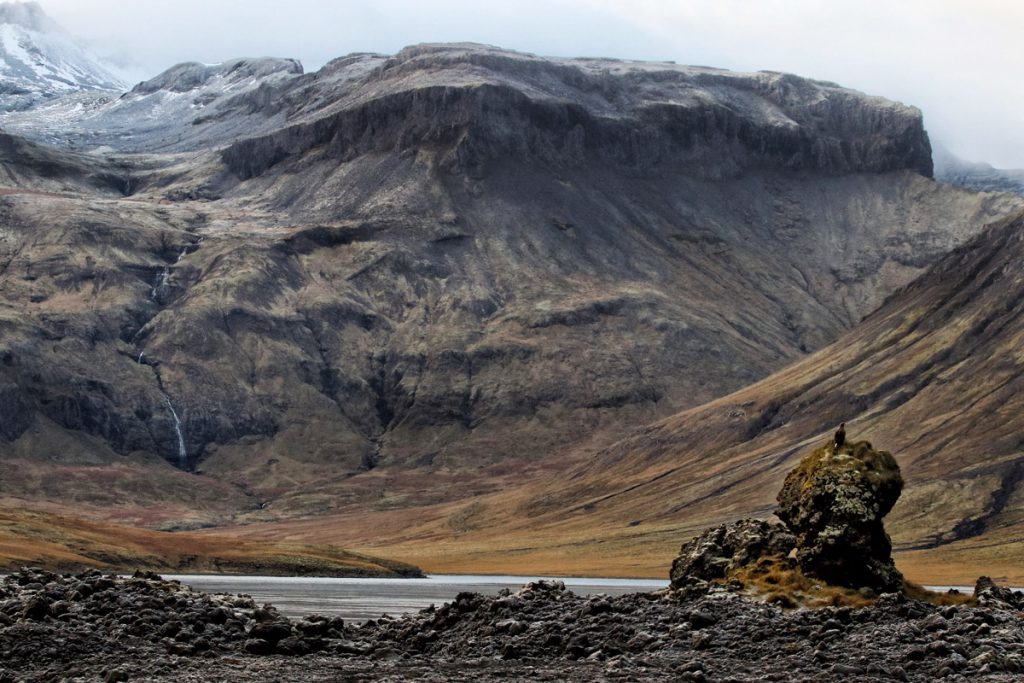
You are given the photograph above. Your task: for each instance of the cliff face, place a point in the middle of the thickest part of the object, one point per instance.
(482, 105)
(444, 269)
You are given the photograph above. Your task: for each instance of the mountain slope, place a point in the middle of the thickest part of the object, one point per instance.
(39, 60)
(442, 273)
(64, 543)
(977, 176)
(935, 375)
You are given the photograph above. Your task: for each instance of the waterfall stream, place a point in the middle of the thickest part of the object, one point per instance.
(182, 449)
(160, 282)
(164, 277)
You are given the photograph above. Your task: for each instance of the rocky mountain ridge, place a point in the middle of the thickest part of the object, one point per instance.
(184, 108)
(976, 176)
(427, 276)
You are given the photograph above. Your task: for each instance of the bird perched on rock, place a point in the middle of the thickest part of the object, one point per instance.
(840, 437)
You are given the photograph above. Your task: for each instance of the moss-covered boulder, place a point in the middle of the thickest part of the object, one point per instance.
(834, 502)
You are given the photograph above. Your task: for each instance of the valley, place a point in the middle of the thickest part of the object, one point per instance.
(483, 311)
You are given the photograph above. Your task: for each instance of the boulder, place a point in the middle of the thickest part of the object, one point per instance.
(989, 594)
(834, 502)
(717, 552)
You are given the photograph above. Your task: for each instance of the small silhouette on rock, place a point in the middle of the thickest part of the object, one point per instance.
(834, 502)
(839, 440)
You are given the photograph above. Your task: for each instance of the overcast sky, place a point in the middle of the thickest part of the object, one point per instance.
(960, 61)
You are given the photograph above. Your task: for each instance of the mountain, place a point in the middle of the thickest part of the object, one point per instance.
(188, 107)
(403, 281)
(935, 375)
(39, 60)
(976, 176)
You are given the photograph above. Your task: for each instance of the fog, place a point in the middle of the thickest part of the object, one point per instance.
(960, 61)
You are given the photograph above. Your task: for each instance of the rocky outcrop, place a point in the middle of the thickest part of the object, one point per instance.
(832, 507)
(190, 76)
(718, 553)
(990, 594)
(834, 502)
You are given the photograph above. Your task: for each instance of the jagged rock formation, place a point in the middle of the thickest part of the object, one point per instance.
(832, 505)
(452, 259)
(834, 502)
(990, 594)
(720, 552)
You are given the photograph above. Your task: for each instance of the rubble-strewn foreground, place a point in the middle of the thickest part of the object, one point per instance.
(713, 623)
(92, 626)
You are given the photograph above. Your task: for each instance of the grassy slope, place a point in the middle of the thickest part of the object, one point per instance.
(68, 543)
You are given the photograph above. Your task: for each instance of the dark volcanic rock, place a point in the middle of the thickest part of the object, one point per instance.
(144, 628)
(834, 501)
(569, 113)
(988, 593)
(717, 552)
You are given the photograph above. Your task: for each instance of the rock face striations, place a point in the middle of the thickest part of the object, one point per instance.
(479, 106)
(449, 265)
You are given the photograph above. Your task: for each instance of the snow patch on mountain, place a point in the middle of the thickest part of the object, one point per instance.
(189, 106)
(39, 60)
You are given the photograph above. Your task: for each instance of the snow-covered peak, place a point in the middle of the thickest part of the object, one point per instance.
(39, 60)
(28, 15)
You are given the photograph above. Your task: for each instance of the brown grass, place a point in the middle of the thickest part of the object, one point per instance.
(941, 599)
(65, 543)
(780, 581)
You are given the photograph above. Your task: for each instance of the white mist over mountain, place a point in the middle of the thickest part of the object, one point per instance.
(39, 59)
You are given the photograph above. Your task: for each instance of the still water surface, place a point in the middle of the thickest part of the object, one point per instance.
(360, 599)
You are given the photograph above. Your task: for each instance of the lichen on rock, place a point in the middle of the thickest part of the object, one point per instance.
(834, 502)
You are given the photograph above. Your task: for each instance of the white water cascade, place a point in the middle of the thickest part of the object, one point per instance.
(164, 277)
(160, 283)
(182, 449)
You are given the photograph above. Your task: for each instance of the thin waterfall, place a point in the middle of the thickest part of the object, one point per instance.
(182, 449)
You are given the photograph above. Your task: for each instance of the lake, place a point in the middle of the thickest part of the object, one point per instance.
(361, 599)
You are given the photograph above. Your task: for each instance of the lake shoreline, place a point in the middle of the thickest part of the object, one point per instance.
(95, 626)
